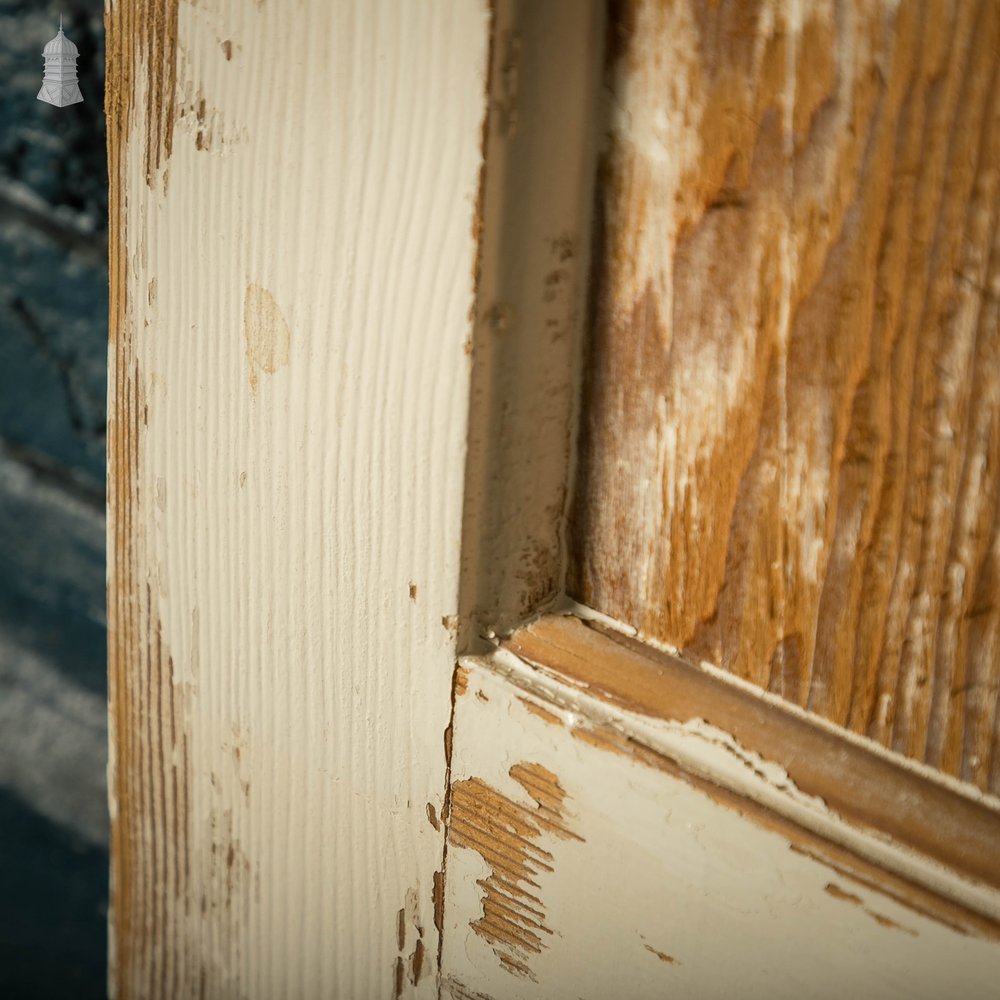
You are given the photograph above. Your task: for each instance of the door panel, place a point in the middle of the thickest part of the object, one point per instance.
(789, 458)
(596, 852)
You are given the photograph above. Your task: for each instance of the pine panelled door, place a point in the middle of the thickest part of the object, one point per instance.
(554, 499)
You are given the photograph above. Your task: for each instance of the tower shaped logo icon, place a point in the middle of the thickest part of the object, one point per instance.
(59, 86)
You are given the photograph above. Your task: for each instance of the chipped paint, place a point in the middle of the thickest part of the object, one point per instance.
(200, 117)
(432, 816)
(702, 751)
(838, 893)
(438, 900)
(508, 836)
(417, 962)
(399, 972)
(569, 607)
(849, 897)
(657, 841)
(238, 426)
(453, 989)
(532, 706)
(661, 955)
(409, 927)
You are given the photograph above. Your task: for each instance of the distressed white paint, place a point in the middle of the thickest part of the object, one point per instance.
(649, 730)
(663, 866)
(307, 466)
(541, 152)
(708, 752)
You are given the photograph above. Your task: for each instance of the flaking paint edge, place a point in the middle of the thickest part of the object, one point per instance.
(716, 756)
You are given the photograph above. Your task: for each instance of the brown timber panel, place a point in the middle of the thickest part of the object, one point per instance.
(150, 761)
(790, 446)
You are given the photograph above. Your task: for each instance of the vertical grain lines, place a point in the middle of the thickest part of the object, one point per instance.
(816, 509)
(507, 835)
(149, 760)
(157, 38)
(302, 461)
(966, 228)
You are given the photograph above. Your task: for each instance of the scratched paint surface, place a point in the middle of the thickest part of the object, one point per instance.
(506, 836)
(293, 192)
(791, 430)
(660, 890)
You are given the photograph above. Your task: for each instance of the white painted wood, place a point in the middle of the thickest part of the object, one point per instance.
(732, 761)
(654, 888)
(538, 191)
(299, 287)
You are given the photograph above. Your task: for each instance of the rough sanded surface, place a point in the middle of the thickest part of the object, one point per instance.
(790, 456)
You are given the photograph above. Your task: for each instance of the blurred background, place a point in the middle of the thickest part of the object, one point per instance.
(53, 334)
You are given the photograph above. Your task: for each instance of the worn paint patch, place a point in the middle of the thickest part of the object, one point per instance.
(265, 330)
(417, 962)
(141, 41)
(439, 901)
(507, 835)
(399, 972)
(661, 955)
(541, 713)
(408, 916)
(757, 483)
(838, 893)
(432, 816)
(451, 987)
(146, 719)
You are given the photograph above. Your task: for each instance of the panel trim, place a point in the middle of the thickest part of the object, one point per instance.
(864, 786)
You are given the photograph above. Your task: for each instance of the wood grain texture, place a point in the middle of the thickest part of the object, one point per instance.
(790, 450)
(293, 193)
(864, 787)
(620, 874)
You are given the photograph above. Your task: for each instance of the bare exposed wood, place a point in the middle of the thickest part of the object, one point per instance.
(146, 875)
(668, 884)
(861, 784)
(790, 448)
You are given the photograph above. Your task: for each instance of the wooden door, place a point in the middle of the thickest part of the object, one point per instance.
(553, 475)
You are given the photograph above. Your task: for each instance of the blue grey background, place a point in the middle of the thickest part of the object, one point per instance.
(53, 336)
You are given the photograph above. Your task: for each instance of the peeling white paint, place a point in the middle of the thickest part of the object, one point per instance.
(315, 692)
(669, 892)
(568, 606)
(708, 752)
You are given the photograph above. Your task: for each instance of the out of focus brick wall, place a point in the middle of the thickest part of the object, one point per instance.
(53, 336)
